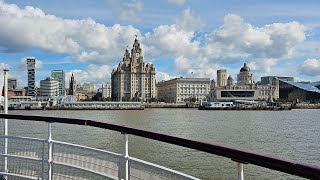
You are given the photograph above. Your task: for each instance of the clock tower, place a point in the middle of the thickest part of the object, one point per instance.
(133, 80)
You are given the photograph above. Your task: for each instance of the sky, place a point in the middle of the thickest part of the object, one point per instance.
(182, 38)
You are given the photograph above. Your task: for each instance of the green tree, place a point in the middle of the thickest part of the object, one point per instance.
(97, 97)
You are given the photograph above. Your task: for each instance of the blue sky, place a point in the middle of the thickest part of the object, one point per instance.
(180, 37)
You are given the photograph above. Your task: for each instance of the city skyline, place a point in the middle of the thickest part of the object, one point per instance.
(187, 39)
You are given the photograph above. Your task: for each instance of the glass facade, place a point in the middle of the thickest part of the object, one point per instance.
(237, 94)
(293, 91)
(60, 77)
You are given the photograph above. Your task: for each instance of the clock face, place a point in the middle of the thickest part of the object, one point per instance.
(137, 54)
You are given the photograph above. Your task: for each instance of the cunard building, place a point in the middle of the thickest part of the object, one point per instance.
(133, 79)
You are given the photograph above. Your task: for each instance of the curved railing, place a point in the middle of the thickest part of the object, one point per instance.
(238, 155)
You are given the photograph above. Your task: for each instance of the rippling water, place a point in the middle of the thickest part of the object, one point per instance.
(287, 134)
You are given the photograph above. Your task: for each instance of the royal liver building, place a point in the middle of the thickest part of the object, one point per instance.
(133, 80)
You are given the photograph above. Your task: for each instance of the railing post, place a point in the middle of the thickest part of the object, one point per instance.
(42, 167)
(5, 75)
(50, 152)
(126, 157)
(240, 171)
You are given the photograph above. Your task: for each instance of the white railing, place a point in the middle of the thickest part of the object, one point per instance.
(33, 158)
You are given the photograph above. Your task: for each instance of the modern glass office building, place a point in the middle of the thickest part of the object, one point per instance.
(60, 77)
(295, 91)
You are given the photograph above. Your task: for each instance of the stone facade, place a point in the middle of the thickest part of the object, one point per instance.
(222, 77)
(106, 90)
(89, 87)
(183, 89)
(133, 79)
(245, 77)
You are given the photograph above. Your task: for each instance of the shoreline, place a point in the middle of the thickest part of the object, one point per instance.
(180, 106)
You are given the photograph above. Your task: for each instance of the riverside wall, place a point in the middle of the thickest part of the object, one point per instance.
(306, 106)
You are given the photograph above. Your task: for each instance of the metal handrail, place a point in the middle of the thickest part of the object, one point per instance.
(240, 155)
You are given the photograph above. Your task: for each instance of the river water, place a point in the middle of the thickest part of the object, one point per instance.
(293, 135)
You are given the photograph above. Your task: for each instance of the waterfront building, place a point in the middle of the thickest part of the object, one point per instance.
(230, 81)
(60, 77)
(72, 86)
(212, 84)
(245, 89)
(81, 96)
(16, 92)
(133, 79)
(12, 84)
(88, 87)
(106, 90)
(102, 105)
(245, 77)
(31, 65)
(298, 92)
(183, 89)
(268, 79)
(222, 77)
(49, 87)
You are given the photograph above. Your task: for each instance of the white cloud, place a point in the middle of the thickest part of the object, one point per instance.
(189, 22)
(181, 63)
(23, 64)
(310, 67)
(238, 38)
(262, 66)
(170, 40)
(163, 76)
(93, 74)
(176, 2)
(130, 11)
(90, 42)
(29, 28)
(4, 66)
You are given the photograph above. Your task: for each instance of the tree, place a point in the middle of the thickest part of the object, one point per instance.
(126, 98)
(153, 99)
(97, 97)
(135, 99)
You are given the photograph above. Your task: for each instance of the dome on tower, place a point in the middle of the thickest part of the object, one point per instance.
(244, 68)
(230, 78)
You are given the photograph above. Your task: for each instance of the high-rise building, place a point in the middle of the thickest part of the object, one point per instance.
(12, 83)
(222, 77)
(49, 87)
(133, 79)
(60, 77)
(72, 86)
(106, 90)
(31, 65)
